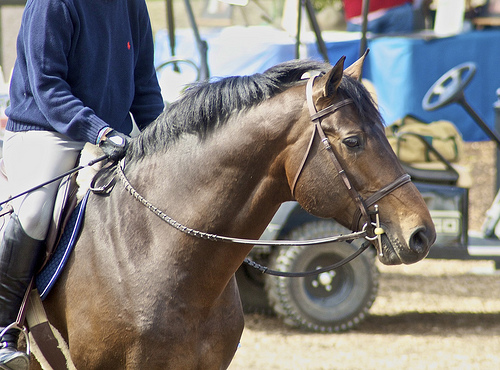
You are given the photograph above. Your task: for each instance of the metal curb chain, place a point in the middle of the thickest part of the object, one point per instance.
(218, 238)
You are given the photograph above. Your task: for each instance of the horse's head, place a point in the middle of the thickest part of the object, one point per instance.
(349, 155)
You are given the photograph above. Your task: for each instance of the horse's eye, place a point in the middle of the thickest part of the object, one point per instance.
(352, 141)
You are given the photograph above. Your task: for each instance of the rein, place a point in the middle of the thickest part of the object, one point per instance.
(362, 211)
(76, 169)
(218, 238)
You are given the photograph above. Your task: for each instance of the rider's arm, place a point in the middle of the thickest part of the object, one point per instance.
(47, 41)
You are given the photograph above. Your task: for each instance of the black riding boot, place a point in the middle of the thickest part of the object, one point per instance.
(19, 257)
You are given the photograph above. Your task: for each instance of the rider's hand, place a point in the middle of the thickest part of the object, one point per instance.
(114, 144)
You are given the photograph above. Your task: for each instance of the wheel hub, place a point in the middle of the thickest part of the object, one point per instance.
(324, 280)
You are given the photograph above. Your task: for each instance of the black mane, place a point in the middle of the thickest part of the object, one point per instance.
(205, 106)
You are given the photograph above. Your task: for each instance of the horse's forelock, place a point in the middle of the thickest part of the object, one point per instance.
(363, 101)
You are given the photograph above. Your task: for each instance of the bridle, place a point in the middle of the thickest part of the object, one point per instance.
(362, 210)
(370, 230)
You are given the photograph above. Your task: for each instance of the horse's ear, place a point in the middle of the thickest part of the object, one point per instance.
(355, 70)
(329, 83)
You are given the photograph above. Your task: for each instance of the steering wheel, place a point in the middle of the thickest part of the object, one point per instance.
(450, 86)
(176, 61)
(174, 75)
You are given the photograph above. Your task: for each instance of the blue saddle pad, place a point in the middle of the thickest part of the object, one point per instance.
(47, 277)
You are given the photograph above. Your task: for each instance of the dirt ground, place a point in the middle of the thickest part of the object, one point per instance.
(435, 314)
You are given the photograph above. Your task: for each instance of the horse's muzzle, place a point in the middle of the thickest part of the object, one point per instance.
(416, 248)
(421, 241)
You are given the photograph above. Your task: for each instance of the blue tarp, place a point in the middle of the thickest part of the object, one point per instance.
(402, 69)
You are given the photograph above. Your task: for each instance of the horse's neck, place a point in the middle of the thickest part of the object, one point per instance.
(222, 183)
(226, 184)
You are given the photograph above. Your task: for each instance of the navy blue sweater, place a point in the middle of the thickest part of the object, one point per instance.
(83, 65)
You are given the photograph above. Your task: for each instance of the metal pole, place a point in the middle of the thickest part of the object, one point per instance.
(364, 26)
(201, 44)
(317, 31)
(496, 108)
(492, 134)
(299, 27)
(171, 30)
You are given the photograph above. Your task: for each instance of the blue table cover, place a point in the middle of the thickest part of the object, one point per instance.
(402, 69)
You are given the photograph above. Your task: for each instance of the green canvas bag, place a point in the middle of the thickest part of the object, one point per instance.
(407, 136)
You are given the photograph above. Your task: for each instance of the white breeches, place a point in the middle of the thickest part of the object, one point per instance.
(32, 158)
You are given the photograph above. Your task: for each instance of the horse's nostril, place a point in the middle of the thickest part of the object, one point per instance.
(419, 243)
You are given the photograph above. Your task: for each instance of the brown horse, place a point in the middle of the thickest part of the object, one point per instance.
(139, 294)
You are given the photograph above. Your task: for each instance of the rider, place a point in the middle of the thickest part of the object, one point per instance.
(83, 69)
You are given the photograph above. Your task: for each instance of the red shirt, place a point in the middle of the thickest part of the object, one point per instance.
(352, 8)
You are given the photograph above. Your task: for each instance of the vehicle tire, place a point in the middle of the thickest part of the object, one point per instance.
(333, 301)
(251, 287)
